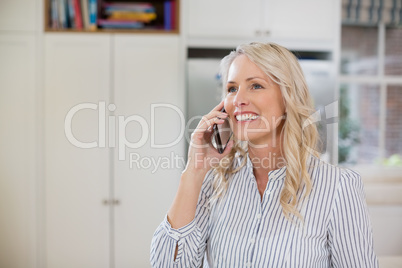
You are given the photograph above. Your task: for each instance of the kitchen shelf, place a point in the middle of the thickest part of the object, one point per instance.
(117, 31)
(154, 29)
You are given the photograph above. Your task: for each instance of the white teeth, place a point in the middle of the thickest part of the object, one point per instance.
(244, 117)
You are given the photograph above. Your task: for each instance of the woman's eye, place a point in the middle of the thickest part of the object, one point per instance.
(256, 86)
(231, 89)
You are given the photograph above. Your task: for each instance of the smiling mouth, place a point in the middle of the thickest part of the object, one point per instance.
(246, 117)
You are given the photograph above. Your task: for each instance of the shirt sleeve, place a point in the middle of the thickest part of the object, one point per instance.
(191, 239)
(350, 232)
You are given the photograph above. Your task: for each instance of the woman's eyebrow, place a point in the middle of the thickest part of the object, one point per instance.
(248, 79)
(255, 77)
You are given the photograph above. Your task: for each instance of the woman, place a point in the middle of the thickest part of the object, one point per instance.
(267, 200)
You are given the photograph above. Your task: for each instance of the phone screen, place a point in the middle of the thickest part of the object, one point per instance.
(221, 135)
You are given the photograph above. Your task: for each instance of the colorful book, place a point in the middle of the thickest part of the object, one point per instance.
(120, 24)
(138, 7)
(167, 13)
(85, 13)
(62, 14)
(100, 9)
(71, 14)
(54, 14)
(93, 10)
(134, 16)
(173, 15)
(78, 15)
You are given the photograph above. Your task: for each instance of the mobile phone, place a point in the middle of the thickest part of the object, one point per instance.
(221, 135)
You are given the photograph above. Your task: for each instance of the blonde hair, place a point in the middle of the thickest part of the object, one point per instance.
(299, 142)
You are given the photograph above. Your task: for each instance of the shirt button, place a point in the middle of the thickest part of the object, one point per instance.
(248, 264)
(175, 236)
(273, 176)
(252, 240)
(258, 216)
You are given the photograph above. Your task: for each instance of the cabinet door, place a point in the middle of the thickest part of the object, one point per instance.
(146, 72)
(18, 15)
(18, 148)
(225, 18)
(77, 72)
(300, 20)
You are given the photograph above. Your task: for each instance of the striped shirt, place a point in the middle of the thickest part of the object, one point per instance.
(241, 230)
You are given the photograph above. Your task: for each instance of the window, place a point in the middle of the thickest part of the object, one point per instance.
(370, 94)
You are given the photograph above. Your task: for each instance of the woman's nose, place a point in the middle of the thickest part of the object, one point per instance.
(241, 98)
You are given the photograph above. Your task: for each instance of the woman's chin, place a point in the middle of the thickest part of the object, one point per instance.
(251, 138)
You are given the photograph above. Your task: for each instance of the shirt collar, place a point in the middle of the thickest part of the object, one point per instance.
(279, 174)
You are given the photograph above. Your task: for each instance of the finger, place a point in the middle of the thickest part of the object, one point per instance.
(213, 114)
(210, 121)
(207, 124)
(219, 106)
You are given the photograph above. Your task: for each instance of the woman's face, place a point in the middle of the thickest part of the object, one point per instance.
(254, 103)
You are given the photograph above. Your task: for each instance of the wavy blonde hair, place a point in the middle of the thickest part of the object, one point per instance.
(299, 141)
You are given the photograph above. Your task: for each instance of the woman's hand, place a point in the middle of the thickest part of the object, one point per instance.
(201, 154)
(201, 157)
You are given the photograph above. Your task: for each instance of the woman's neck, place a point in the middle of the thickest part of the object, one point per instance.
(267, 157)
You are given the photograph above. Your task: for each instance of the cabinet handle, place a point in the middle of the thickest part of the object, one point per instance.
(107, 202)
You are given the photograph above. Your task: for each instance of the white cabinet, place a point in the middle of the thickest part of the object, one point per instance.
(146, 73)
(77, 72)
(116, 79)
(300, 20)
(18, 15)
(18, 151)
(263, 19)
(225, 18)
(19, 128)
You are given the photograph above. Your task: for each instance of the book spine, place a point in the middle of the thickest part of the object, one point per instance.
(54, 14)
(167, 15)
(173, 15)
(99, 14)
(120, 24)
(71, 14)
(62, 14)
(85, 14)
(78, 15)
(92, 14)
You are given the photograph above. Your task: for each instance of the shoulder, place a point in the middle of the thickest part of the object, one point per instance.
(351, 185)
(330, 177)
(349, 176)
(319, 169)
(334, 188)
(335, 177)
